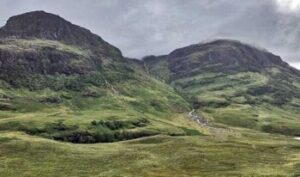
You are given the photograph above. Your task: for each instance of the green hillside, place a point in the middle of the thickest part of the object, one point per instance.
(69, 92)
(235, 84)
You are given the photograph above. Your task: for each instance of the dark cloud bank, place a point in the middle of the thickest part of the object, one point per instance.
(143, 27)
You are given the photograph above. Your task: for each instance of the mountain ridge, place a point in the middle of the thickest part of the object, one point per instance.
(38, 44)
(227, 52)
(43, 25)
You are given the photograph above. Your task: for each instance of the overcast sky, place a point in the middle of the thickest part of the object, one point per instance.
(144, 27)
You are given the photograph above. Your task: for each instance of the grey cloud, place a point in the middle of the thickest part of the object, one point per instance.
(144, 27)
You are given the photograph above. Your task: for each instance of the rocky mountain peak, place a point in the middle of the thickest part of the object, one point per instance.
(225, 55)
(43, 25)
(39, 44)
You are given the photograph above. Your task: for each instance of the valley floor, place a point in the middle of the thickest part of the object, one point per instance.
(224, 152)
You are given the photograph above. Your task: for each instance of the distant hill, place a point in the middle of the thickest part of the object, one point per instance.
(234, 83)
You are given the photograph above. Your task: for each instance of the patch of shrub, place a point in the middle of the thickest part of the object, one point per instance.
(59, 126)
(281, 98)
(76, 137)
(117, 124)
(101, 131)
(52, 100)
(281, 129)
(212, 104)
(140, 122)
(101, 137)
(156, 105)
(6, 106)
(90, 93)
(191, 132)
(260, 90)
(249, 100)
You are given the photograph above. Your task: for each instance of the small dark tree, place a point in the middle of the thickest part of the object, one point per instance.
(94, 123)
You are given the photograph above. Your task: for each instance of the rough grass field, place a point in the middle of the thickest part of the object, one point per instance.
(246, 153)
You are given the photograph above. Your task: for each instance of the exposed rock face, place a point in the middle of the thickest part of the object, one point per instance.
(43, 61)
(42, 25)
(39, 43)
(225, 53)
(225, 56)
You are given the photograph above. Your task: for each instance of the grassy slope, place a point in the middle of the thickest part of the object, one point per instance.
(243, 100)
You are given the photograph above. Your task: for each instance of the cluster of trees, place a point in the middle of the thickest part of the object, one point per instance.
(97, 137)
(110, 131)
(117, 124)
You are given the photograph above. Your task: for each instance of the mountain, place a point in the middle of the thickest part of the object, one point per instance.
(82, 87)
(234, 83)
(43, 43)
(42, 25)
(226, 56)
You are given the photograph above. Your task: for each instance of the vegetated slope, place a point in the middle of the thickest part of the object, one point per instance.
(234, 83)
(60, 81)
